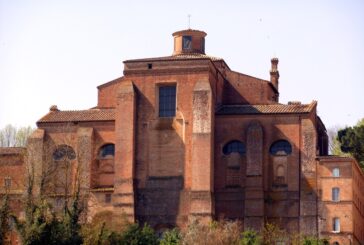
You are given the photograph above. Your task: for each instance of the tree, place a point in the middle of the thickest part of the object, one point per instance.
(334, 144)
(11, 136)
(4, 218)
(7, 136)
(43, 224)
(352, 141)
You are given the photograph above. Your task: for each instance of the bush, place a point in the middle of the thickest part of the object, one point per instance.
(216, 233)
(171, 237)
(250, 237)
(313, 240)
(135, 235)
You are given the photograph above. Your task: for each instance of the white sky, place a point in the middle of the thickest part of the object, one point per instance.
(58, 52)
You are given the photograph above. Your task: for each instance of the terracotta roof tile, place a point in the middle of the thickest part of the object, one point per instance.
(265, 109)
(79, 116)
(190, 56)
(11, 150)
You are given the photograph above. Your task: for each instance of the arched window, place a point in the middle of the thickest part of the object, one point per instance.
(281, 147)
(234, 146)
(64, 152)
(107, 150)
(336, 243)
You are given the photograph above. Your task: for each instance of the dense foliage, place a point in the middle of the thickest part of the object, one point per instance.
(352, 141)
(48, 228)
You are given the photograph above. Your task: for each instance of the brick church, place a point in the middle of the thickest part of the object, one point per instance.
(183, 136)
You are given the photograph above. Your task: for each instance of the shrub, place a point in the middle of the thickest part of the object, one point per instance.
(135, 235)
(313, 240)
(216, 233)
(250, 237)
(171, 237)
(272, 234)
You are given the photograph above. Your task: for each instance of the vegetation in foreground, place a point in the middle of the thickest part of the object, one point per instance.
(42, 226)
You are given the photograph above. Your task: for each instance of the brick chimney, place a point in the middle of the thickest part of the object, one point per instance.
(274, 73)
(189, 41)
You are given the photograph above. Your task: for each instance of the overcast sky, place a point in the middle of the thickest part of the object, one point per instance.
(58, 52)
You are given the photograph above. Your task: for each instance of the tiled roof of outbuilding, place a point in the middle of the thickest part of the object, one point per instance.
(189, 56)
(11, 150)
(79, 116)
(266, 109)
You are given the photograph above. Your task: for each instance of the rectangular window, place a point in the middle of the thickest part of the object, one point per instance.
(167, 101)
(58, 202)
(336, 172)
(187, 42)
(108, 198)
(336, 194)
(7, 182)
(203, 45)
(336, 224)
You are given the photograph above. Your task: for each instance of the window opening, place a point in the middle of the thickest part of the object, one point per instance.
(7, 182)
(336, 225)
(65, 152)
(107, 150)
(108, 198)
(336, 194)
(336, 172)
(234, 146)
(281, 147)
(167, 101)
(187, 42)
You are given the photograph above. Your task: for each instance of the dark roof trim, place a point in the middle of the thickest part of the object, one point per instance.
(265, 109)
(119, 79)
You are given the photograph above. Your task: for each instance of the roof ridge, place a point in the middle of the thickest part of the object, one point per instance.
(98, 114)
(82, 110)
(178, 57)
(278, 104)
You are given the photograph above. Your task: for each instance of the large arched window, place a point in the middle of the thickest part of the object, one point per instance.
(280, 147)
(107, 150)
(103, 169)
(234, 146)
(64, 152)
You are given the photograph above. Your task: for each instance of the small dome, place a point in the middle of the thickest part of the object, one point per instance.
(189, 41)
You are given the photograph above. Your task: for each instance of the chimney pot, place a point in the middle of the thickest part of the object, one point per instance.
(53, 108)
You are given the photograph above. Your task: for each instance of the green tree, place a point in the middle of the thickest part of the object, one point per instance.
(352, 141)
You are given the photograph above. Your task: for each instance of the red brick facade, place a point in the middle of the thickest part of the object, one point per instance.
(229, 151)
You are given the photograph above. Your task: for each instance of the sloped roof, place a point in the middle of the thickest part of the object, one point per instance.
(79, 116)
(266, 109)
(189, 56)
(11, 150)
